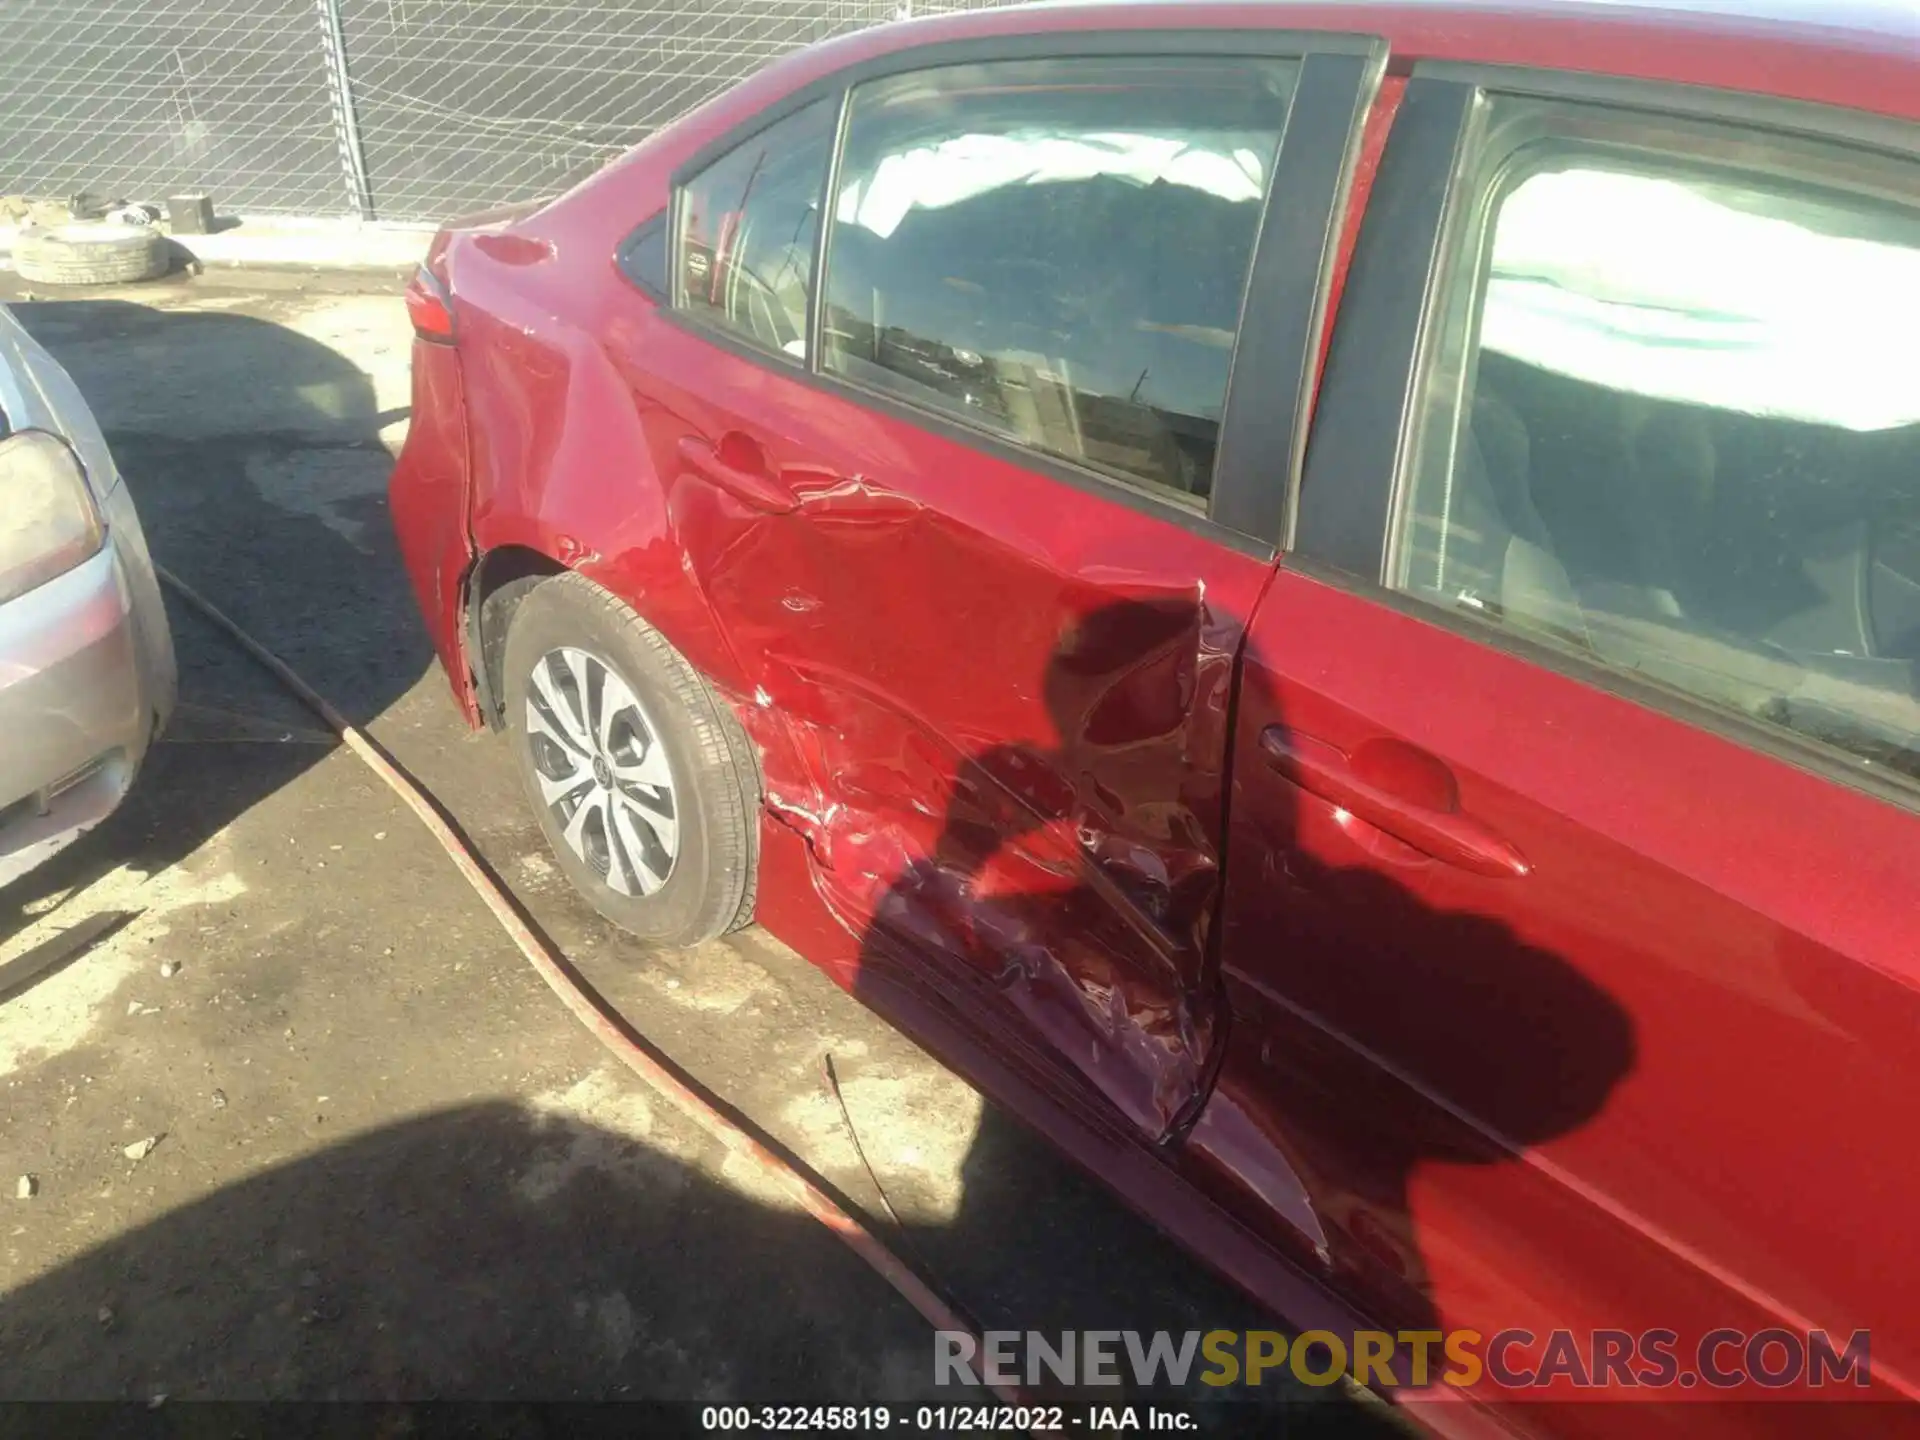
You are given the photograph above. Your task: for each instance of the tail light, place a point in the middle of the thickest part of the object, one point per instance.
(429, 307)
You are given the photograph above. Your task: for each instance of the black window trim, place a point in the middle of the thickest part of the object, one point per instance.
(1337, 77)
(626, 257)
(1288, 283)
(1341, 509)
(1698, 102)
(1359, 460)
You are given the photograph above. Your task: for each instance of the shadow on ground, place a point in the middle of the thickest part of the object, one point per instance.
(255, 455)
(492, 1253)
(412, 1261)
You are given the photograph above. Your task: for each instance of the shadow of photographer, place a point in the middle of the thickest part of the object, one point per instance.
(1378, 1022)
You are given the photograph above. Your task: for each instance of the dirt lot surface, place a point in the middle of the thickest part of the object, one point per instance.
(389, 1165)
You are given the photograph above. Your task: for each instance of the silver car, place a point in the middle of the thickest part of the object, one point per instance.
(86, 660)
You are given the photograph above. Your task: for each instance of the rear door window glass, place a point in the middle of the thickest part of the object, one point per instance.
(1679, 431)
(748, 223)
(1055, 252)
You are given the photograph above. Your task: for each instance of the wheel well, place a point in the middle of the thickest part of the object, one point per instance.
(501, 580)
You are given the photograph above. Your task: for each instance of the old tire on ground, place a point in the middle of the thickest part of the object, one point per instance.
(641, 777)
(90, 255)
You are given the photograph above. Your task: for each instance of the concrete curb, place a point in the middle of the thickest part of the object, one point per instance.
(313, 244)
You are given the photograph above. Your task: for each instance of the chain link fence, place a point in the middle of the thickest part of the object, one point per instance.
(388, 109)
(145, 97)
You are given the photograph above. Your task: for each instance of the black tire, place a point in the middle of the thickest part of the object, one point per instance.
(709, 889)
(90, 255)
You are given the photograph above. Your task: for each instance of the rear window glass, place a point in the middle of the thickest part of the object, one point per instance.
(747, 228)
(1056, 251)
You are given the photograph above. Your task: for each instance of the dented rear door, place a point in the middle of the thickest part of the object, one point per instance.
(977, 524)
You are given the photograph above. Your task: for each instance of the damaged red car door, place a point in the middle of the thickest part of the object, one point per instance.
(955, 472)
(1533, 987)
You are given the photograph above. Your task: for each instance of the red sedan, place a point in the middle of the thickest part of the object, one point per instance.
(1325, 599)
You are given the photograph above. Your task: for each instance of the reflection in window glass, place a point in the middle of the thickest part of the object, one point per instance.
(1056, 251)
(747, 227)
(1690, 443)
(1672, 290)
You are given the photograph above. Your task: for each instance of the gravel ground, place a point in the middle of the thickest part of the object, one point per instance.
(388, 1164)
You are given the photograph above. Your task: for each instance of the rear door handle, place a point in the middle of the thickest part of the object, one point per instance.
(738, 467)
(1433, 828)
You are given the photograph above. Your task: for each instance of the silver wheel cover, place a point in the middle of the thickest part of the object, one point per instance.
(602, 771)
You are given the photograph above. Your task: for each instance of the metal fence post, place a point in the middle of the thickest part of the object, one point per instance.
(346, 124)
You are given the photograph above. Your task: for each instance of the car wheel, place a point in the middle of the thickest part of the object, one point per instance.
(641, 777)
